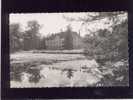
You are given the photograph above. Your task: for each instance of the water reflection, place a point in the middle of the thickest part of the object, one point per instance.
(69, 73)
(56, 75)
(16, 72)
(24, 72)
(35, 75)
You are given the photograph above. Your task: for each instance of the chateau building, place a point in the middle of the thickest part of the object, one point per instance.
(64, 40)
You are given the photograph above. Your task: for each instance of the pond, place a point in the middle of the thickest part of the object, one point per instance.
(53, 70)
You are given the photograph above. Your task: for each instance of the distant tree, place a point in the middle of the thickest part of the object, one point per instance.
(31, 36)
(15, 37)
(68, 42)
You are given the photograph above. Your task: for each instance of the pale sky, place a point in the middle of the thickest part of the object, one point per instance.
(55, 22)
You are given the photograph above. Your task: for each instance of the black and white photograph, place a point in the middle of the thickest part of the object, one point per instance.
(68, 49)
(70, 99)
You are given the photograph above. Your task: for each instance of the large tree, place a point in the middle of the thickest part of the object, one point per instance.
(106, 45)
(15, 37)
(31, 36)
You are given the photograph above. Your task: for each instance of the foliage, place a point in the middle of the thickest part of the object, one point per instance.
(115, 74)
(108, 46)
(31, 36)
(29, 39)
(15, 37)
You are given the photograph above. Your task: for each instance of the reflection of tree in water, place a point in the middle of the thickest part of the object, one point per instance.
(35, 77)
(16, 72)
(69, 73)
(16, 75)
(17, 69)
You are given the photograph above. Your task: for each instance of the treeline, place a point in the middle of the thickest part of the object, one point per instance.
(105, 45)
(30, 39)
(27, 40)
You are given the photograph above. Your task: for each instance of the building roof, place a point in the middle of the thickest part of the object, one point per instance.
(62, 35)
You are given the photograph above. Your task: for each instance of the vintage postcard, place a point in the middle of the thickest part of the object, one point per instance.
(72, 49)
